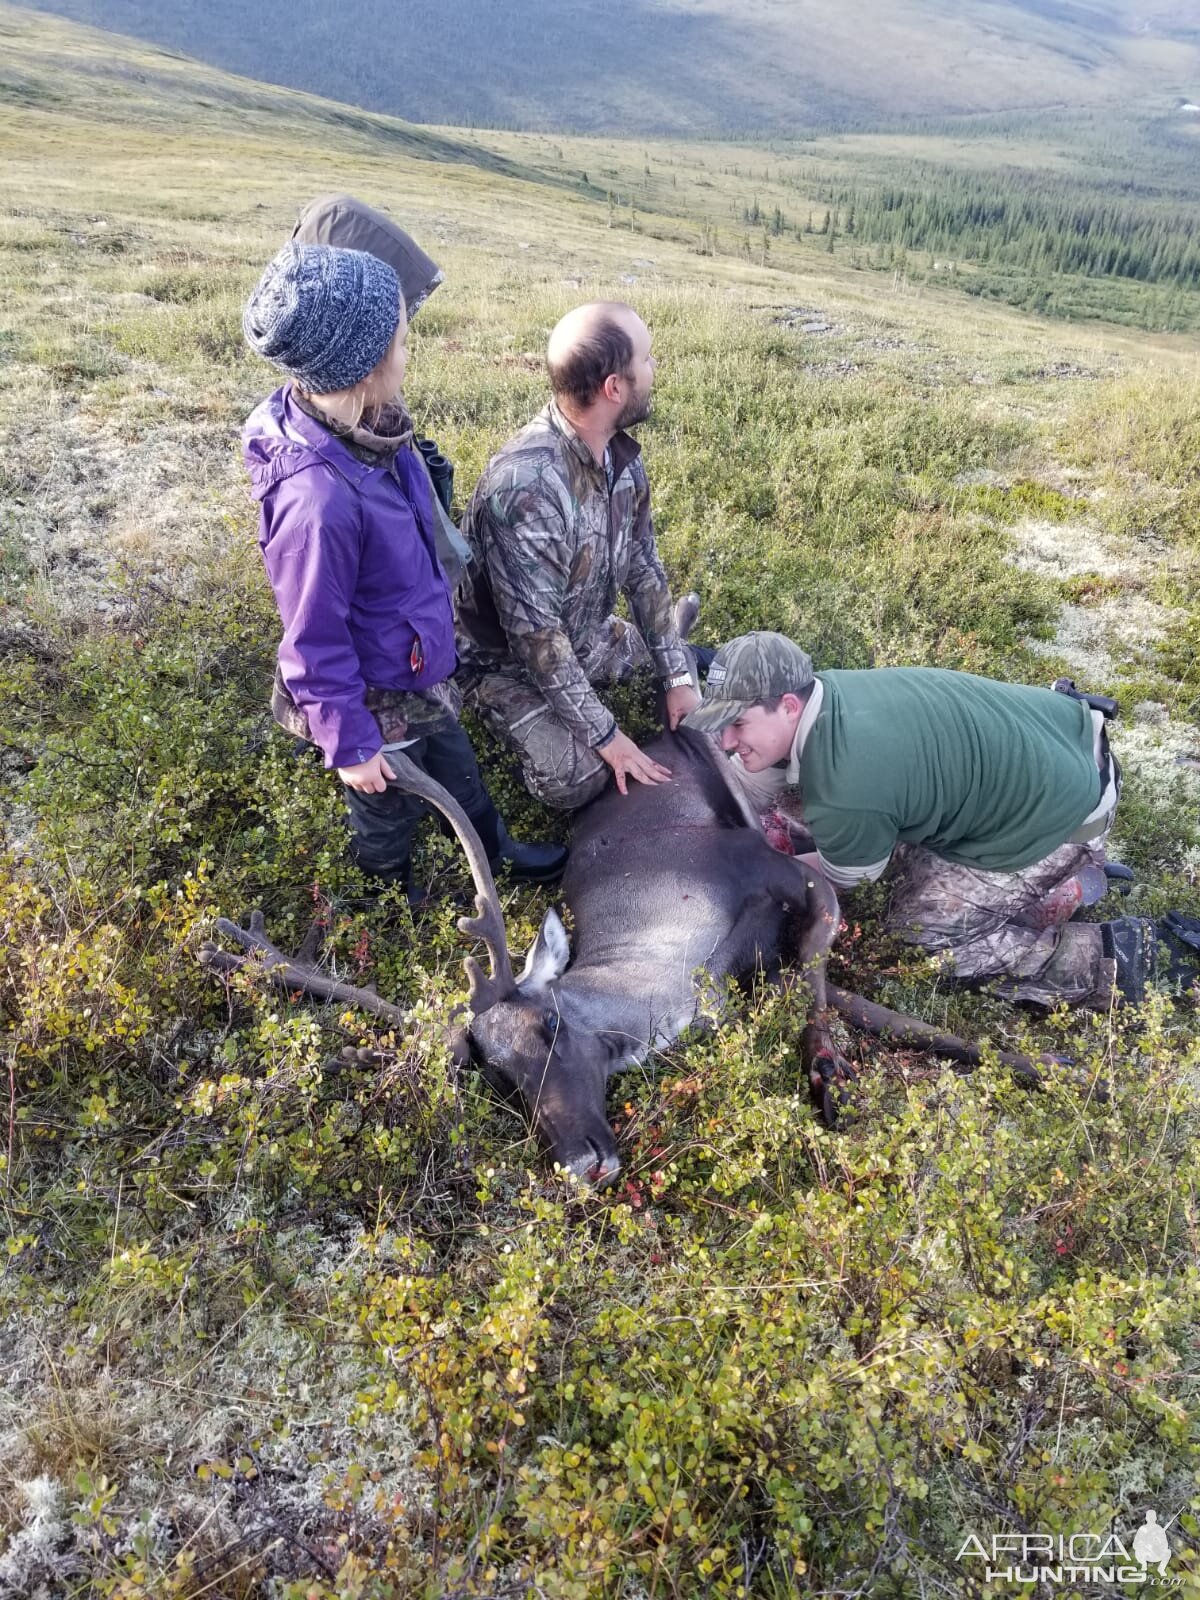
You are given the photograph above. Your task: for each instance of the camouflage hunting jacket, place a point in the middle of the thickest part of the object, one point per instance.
(554, 547)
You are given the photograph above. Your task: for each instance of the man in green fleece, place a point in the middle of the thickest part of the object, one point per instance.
(987, 804)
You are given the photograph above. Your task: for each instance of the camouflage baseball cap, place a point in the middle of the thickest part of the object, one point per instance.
(756, 666)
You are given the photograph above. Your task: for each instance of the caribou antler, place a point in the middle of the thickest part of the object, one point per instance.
(288, 972)
(489, 924)
(299, 972)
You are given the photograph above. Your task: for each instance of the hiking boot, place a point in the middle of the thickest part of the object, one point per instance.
(540, 862)
(1120, 877)
(1132, 943)
(687, 609)
(1068, 898)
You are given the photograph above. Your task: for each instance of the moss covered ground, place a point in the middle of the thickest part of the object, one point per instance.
(291, 1309)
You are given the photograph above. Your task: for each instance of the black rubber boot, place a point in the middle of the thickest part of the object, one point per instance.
(541, 862)
(1132, 943)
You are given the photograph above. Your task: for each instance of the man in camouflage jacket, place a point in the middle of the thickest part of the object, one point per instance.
(560, 528)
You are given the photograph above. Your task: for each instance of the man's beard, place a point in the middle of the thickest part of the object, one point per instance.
(635, 410)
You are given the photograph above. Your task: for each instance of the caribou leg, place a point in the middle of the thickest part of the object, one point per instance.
(829, 1074)
(812, 925)
(898, 1028)
(829, 1071)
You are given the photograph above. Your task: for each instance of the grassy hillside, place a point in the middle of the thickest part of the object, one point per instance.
(687, 66)
(291, 1310)
(1036, 212)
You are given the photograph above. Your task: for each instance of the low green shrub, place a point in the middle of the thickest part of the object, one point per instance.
(298, 1308)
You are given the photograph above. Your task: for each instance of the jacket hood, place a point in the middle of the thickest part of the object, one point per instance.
(279, 440)
(350, 224)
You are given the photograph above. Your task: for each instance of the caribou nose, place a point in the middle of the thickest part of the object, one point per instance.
(594, 1169)
(606, 1171)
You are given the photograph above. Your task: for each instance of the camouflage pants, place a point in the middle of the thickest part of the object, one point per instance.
(1010, 928)
(558, 769)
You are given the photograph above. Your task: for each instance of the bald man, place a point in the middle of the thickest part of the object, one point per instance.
(559, 528)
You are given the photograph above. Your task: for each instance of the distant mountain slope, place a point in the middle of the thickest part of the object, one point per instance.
(683, 66)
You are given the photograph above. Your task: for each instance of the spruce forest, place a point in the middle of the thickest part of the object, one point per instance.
(1021, 235)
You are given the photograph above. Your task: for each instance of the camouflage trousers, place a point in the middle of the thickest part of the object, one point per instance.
(1009, 929)
(558, 769)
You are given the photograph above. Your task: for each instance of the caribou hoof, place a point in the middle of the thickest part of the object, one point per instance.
(830, 1076)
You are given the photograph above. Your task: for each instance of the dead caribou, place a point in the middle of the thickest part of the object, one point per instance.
(668, 883)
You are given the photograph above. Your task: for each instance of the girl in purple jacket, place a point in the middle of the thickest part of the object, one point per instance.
(347, 534)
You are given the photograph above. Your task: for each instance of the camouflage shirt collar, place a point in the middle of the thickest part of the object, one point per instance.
(808, 720)
(623, 447)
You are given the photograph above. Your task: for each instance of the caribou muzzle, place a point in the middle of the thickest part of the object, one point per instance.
(526, 1051)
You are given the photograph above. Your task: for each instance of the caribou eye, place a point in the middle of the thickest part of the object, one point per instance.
(551, 1021)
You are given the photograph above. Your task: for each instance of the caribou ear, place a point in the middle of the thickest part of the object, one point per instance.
(459, 1041)
(548, 954)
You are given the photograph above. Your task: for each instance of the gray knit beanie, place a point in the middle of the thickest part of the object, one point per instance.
(325, 316)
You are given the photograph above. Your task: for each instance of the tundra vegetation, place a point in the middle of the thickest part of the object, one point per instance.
(291, 1309)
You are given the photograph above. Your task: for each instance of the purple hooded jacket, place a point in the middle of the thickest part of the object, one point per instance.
(350, 554)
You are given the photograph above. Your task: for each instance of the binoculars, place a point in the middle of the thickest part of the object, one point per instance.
(441, 471)
(1103, 703)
